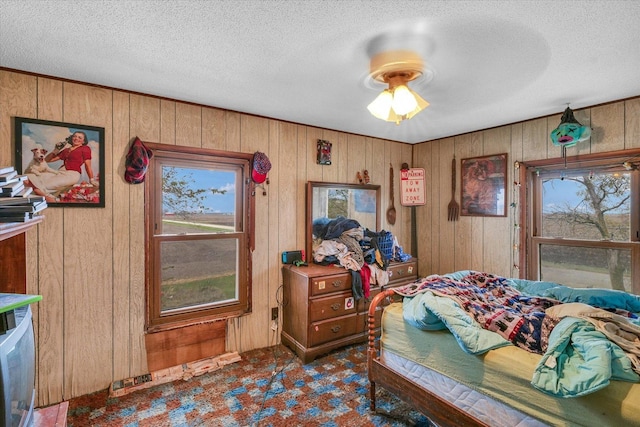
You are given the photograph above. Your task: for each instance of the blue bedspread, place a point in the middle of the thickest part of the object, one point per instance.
(485, 311)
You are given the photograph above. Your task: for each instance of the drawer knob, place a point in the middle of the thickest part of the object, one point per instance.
(337, 283)
(335, 306)
(335, 329)
(401, 272)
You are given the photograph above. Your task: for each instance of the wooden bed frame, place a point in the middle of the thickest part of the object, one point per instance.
(432, 406)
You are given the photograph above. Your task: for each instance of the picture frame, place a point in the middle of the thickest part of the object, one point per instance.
(484, 185)
(56, 163)
(324, 152)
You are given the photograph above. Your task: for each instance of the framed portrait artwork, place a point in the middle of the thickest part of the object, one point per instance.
(324, 152)
(484, 183)
(64, 162)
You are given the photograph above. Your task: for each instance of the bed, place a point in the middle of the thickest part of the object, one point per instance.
(497, 383)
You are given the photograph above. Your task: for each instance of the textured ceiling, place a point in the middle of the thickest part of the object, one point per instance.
(490, 62)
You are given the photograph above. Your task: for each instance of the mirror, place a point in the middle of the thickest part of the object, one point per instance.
(331, 200)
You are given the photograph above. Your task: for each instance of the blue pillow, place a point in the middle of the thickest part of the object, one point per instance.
(603, 298)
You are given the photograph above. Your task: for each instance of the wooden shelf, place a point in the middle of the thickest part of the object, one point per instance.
(10, 229)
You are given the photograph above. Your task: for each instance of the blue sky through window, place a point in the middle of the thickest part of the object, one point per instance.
(558, 193)
(213, 179)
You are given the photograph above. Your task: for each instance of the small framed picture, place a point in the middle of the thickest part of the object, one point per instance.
(64, 162)
(324, 152)
(484, 183)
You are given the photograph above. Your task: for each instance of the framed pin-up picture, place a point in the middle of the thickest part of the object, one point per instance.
(484, 183)
(64, 162)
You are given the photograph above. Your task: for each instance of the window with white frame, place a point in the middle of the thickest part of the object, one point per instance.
(198, 235)
(584, 221)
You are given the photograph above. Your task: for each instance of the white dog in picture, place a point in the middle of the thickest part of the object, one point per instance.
(38, 165)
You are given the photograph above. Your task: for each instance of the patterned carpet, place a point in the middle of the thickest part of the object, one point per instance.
(268, 387)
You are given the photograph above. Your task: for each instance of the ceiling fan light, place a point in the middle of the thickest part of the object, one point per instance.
(404, 100)
(421, 105)
(381, 106)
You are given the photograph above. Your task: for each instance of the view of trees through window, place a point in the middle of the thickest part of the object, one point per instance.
(198, 235)
(197, 272)
(584, 214)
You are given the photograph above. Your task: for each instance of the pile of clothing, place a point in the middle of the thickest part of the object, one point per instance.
(343, 241)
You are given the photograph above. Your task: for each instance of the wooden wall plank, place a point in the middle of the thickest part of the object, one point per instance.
(632, 123)
(50, 271)
(339, 159)
(213, 129)
(188, 125)
(368, 156)
(87, 264)
(467, 227)
(18, 97)
(514, 220)
(145, 114)
(394, 159)
(290, 210)
(607, 122)
(445, 231)
(314, 170)
(377, 163)
(423, 158)
(433, 225)
(404, 233)
(254, 133)
(301, 186)
(330, 172)
(355, 159)
(120, 191)
(232, 127)
(148, 120)
(167, 134)
(535, 139)
(498, 140)
(383, 179)
(273, 241)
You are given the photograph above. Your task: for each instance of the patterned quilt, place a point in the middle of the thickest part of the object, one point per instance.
(495, 305)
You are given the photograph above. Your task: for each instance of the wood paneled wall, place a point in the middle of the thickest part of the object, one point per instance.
(88, 263)
(487, 243)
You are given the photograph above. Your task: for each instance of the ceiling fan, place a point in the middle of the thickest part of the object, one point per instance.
(397, 68)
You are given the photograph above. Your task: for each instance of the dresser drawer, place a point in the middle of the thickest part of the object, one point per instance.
(333, 329)
(327, 284)
(363, 304)
(402, 272)
(332, 306)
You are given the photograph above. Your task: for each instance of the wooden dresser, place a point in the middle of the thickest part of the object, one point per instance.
(319, 312)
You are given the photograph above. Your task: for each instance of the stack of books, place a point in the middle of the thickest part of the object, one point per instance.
(21, 209)
(17, 204)
(12, 184)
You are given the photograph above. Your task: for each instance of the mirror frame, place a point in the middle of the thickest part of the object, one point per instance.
(311, 185)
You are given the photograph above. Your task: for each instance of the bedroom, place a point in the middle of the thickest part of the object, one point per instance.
(105, 293)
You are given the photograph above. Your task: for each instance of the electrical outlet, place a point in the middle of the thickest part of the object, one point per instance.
(274, 313)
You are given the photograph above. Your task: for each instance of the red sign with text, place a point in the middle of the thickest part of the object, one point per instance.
(412, 187)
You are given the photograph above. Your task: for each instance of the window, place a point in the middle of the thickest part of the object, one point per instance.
(584, 225)
(198, 235)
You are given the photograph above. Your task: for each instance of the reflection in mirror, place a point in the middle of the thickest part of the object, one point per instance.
(332, 200)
